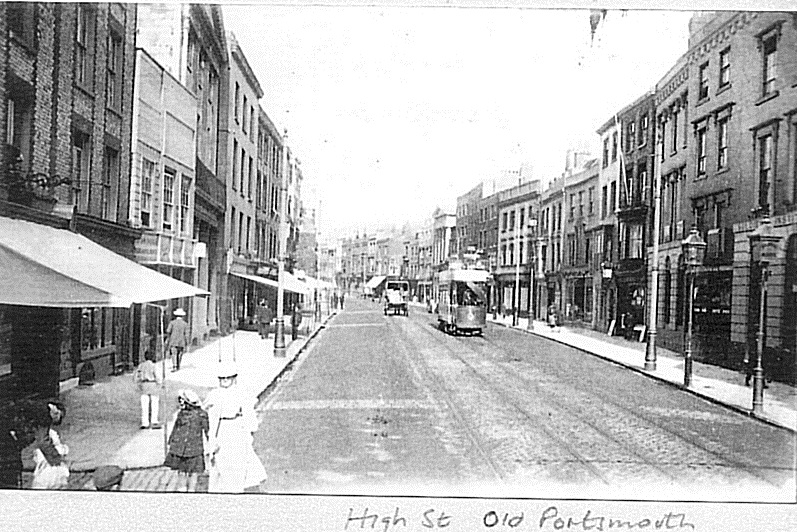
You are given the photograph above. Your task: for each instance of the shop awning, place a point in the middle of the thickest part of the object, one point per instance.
(42, 266)
(375, 281)
(258, 279)
(293, 284)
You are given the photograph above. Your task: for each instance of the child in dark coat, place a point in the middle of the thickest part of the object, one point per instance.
(186, 443)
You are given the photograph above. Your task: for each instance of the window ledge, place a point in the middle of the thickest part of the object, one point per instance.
(767, 97)
(84, 89)
(701, 102)
(724, 170)
(723, 88)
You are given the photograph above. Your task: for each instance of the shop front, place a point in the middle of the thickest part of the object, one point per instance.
(66, 301)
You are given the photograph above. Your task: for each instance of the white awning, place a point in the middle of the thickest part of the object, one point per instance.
(293, 284)
(42, 266)
(258, 279)
(375, 281)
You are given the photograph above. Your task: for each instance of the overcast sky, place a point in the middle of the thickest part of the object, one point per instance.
(394, 110)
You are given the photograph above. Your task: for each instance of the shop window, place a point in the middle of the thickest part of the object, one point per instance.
(98, 328)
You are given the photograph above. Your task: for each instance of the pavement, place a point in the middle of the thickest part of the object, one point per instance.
(102, 421)
(716, 384)
(719, 385)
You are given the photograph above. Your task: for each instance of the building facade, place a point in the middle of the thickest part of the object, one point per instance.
(238, 141)
(517, 207)
(162, 189)
(66, 96)
(189, 42)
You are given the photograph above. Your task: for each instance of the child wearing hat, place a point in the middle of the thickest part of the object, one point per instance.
(187, 441)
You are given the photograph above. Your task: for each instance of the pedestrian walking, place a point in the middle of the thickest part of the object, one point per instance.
(51, 471)
(342, 300)
(264, 317)
(187, 441)
(296, 320)
(149, 379)
(234, 466)
(177, 338)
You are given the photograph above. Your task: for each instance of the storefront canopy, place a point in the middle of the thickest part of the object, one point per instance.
(42, 266)
(257, 279)
(292, 284)
(375, 281)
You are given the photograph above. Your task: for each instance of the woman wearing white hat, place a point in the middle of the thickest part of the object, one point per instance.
(234, 466)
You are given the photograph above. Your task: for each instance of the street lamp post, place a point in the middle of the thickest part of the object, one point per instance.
(279, 324)
(763, 248)
(532, 271)
(650, 350)
(694, 248)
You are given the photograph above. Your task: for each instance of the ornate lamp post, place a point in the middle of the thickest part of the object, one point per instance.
(763, 249)
(532, 270)
(694, 249)
(516, 302)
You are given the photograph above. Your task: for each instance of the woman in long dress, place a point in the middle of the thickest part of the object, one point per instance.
(234, 466)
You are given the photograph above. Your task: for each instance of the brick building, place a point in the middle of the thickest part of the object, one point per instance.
(634, 197)
(66, 95)
(238, 148)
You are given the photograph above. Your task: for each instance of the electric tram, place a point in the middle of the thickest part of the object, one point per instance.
(462, 305)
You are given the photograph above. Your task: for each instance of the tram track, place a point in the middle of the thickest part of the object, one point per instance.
(538, 421)
(417, 363)
(726, 458)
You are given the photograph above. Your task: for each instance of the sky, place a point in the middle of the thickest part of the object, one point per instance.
(394, 111)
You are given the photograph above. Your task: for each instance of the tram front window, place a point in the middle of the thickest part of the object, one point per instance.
(470, 294)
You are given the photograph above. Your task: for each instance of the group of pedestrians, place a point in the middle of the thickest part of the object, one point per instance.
(216, 436)
(265, 317)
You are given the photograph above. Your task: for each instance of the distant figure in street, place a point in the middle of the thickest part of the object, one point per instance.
(177, 338)
(264, 317)
(107, 478)
(335, 300)
(51, 471)
(186, 443)
(234, 466)
(149, 379)
(552, 315)
(342, 299)
(296, 320)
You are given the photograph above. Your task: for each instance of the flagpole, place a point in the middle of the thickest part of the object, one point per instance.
(650, 349)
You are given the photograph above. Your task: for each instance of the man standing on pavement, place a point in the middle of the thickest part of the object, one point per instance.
(296, 320)
(264, 318)
(177, 338)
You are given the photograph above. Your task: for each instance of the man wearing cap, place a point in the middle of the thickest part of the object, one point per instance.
(177, 338)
